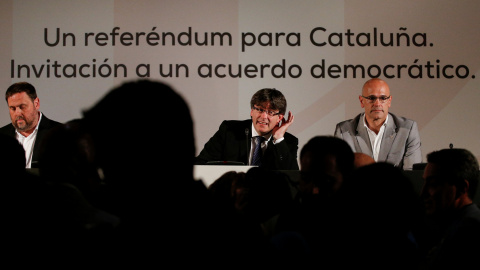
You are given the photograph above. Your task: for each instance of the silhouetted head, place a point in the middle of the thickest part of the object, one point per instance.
(67, 155)
(325, 161)
(379, 194)
(262, 193)
(142, 128)
(451, 180)
(12, 159)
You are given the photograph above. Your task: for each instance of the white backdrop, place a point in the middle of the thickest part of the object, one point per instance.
(426, 50)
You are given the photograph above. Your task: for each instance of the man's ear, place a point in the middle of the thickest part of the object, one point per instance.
(280, 118)
(36, 103)
(361, 103)
(462, 190)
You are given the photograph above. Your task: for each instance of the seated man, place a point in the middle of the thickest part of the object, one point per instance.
(29, 125)
(237, 140)
(380, 134)
(451, 180)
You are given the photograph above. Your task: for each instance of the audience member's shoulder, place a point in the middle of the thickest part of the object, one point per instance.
(12, 159)
(473, 212)
(47, 122)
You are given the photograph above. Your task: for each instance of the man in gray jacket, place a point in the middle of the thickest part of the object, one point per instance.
(380, 134)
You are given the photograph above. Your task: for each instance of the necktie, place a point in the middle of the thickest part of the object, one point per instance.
(257, 154)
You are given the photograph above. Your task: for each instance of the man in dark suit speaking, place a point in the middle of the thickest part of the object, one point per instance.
(237, 141)
(29, 125)
(380, 134)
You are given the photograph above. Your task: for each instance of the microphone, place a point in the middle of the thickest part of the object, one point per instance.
(247, 131)
(451, 145)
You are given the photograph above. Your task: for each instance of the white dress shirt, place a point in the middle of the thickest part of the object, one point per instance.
(375, 139)
(28, 143)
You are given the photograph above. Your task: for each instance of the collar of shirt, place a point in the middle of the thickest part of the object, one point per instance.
(365, 122)
(255, 133)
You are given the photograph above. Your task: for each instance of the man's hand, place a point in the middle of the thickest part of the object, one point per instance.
(280, 129)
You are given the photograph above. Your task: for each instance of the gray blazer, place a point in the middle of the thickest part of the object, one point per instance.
(400, 143)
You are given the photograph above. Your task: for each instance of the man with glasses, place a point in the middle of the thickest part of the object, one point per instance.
(380, 134)
(237, 141)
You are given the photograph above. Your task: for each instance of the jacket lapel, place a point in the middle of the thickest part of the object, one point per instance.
(387, 141)
(362, 138)
(246, 142)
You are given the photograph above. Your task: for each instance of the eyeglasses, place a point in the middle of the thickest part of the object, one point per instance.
(269, 113)
(372, 99)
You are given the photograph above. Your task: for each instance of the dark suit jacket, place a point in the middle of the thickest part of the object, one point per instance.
(231, 143)
(400, 143)
(45, 125)
(459, 244)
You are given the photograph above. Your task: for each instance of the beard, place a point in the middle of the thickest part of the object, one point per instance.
(23, 126)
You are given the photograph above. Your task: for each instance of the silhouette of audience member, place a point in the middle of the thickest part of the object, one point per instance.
(451, 179)
(165, 215)
(22, 197)
(224, 193)
(362, 159)
(380, 216)
(325, 163)
(74, 193)
(12, 158)
(253, 200)
(263, 195)
(224, 190)
(261, 198)
(67, 156)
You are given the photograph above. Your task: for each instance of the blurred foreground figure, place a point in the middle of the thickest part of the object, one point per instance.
(144, 146)
(451, 180)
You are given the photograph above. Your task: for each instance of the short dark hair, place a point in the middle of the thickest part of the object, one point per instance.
(272, 95)
(457, 165)
(20, 87)
(321, 146)
(128, 146)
